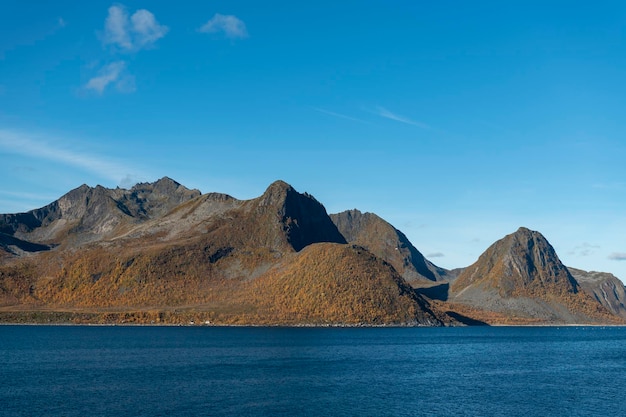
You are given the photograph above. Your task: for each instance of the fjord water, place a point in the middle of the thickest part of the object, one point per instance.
(211, 371)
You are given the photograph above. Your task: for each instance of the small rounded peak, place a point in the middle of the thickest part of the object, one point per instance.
(167, 180)
(276, 193)
(525, 233)
(83, 189)
(279, 185)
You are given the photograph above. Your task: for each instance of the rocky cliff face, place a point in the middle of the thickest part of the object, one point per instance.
(521, 275)
(388, 243)
(606, 288)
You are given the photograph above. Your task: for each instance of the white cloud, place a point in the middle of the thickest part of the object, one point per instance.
(232, 26)
(435, 255)
(147, 29)
(113, 73)
(618, 256)
(383, 112)
(140, 31)
(116, 28)
(129, 181)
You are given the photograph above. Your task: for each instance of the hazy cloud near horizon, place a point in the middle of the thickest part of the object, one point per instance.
(585, 249)
(53, 149)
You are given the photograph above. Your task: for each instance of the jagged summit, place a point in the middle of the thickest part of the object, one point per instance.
(87, 214)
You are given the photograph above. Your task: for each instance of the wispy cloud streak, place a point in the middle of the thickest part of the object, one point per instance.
(618, 256)
(383, 112)
(35, 146)
(339, 115)
(114, 73)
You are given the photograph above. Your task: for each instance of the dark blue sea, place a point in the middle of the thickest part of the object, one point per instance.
(211, 371)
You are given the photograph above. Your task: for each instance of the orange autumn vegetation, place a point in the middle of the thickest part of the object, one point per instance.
(333, 283)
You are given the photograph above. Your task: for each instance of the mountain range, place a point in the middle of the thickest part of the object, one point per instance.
(162, 253)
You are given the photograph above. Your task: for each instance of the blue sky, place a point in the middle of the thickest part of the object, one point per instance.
(455, 121)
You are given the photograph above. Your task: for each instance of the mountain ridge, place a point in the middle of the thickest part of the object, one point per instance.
(161, 252)
(202, 256)
(387, 242)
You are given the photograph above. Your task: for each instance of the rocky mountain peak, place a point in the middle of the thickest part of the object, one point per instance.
(606, 288)
(518, 262)
(163, 186)
(148, 200)
(276, 194)
(302, 218)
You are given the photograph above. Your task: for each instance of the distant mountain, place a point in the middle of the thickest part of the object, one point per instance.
(606, 288)
(388, 243)
(88, 214)
(521, 277)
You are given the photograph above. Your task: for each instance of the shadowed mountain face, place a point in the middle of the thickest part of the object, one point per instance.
(606, 288)
(387, 242)
(303, 219)
(521, 275)
(14, 246)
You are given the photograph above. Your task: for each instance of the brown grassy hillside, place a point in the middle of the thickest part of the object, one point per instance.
(330, 283)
